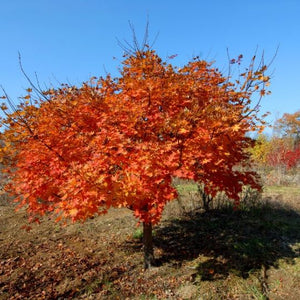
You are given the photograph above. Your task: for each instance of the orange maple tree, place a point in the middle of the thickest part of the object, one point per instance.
(118, 142)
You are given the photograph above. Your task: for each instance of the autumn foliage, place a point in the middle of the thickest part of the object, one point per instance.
(281, 153)
(282, 150)
(118, 142)
(289, 126)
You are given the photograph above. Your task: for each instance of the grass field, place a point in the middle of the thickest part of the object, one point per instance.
(251, 253)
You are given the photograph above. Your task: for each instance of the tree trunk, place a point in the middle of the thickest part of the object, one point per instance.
(148, 245)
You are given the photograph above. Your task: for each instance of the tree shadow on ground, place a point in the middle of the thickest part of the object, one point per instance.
(238, 242)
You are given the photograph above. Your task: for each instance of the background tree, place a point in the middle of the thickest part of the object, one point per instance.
(77, 151)
(261, 150)
(278, 157)
(289, 127)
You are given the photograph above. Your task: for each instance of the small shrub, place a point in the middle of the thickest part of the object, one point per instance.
(138, 234)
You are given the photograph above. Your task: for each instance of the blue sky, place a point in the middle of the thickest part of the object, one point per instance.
(70, 41)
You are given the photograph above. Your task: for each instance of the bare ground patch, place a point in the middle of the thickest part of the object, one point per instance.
(247, 254)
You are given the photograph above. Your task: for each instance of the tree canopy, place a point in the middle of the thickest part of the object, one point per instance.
(289, 126)
(118, 142)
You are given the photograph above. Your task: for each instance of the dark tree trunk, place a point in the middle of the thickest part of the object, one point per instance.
(148, 245)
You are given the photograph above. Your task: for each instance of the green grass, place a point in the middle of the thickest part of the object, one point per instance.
(284, 190)
(186, 188)
(138, 234)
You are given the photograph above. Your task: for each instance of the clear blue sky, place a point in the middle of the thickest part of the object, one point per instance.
(72, 40)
